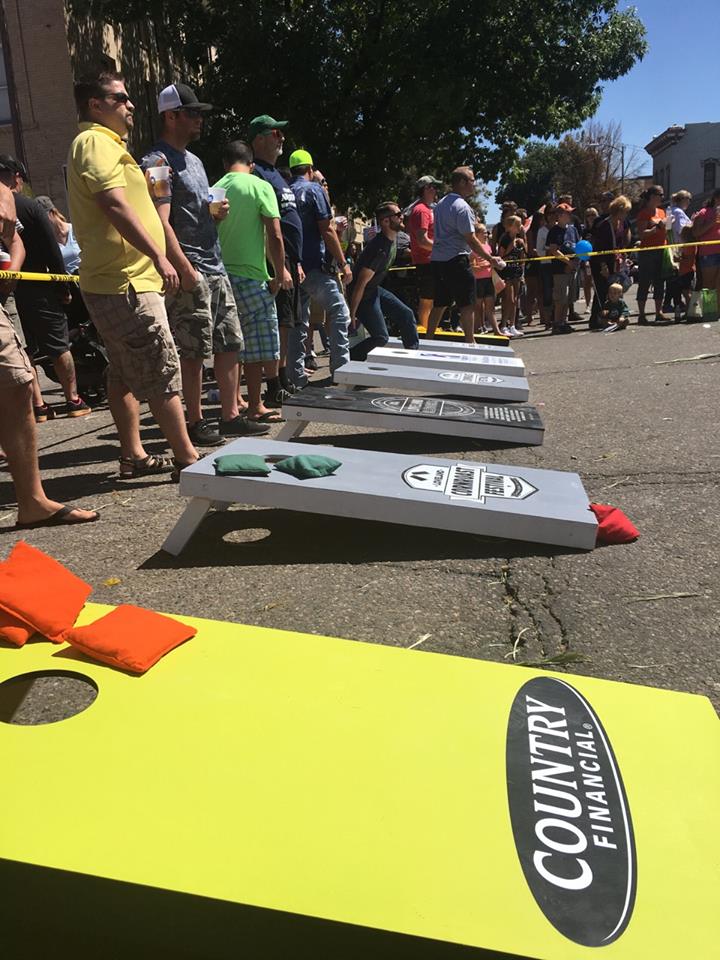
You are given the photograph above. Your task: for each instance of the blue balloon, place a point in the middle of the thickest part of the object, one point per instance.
(582, 248)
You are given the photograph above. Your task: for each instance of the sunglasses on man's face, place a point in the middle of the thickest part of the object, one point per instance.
(191, 111)
(118, 97)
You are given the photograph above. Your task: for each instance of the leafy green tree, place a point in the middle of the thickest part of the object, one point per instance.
(375, 87)
(531, 179)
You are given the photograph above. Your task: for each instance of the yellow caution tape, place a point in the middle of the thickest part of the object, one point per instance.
(47, 277)
(600, 253)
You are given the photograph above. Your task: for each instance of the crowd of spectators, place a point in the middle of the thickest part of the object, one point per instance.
(176, 274)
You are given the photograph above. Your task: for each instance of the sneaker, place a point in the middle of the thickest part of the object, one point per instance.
(44, 413)
(514, 332)
(678, 314)
(643, 320)
(611, 328)
(505, 331)
(205, 434)
(563, 328)
(311, 363)
(242, 427)
(77, 408)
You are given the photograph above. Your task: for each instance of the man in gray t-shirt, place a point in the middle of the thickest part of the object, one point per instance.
(202, 314)
(453, 243)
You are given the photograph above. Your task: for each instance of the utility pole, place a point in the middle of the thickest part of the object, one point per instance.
(622, 168)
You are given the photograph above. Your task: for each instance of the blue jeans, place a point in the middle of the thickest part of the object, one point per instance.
(371, 314)
(327, 293)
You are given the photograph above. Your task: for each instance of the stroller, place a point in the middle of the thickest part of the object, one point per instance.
(91, 362)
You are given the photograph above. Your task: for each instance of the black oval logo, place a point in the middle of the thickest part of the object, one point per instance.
(569, 812)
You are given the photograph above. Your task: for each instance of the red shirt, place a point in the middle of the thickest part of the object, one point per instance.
(421, 218)
(711, 227)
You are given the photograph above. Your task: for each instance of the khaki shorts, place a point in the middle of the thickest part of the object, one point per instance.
(15, 366)
(136, 333)
(561, 289)
(205, 321)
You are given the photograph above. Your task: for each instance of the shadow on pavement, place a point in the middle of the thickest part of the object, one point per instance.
(267, 537)
(406, 442)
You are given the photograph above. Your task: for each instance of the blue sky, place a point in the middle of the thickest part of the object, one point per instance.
(662, 89)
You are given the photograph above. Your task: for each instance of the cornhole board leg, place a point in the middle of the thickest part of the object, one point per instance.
(292, 429)
(192, 516)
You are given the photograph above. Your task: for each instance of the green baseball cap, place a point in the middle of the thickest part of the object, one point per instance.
(264, 124)
(300, 158)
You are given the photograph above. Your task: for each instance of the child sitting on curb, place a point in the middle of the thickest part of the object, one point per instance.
(615, 314)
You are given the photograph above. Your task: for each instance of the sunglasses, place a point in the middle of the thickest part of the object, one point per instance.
(191, 111)
(117, 97)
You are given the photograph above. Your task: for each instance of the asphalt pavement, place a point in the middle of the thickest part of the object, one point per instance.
(639, 428)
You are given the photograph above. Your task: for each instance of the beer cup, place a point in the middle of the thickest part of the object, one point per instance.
(216, 196)
(160, 181)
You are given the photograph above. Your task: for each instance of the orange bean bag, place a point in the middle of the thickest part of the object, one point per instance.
(41, 592)
(130, 638)
(14, 630)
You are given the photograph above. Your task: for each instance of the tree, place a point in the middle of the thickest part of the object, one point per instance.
(374, 87)
(531, 179)
(583, 165)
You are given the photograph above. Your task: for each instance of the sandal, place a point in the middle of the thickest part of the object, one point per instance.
(131, 468)
(272, 416)
(61, 518)
(177, 469)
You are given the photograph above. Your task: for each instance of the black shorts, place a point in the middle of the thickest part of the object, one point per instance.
(288, 301)
(424, 281)
(43, 319)
(454, 282)
(484, 287)
(685, 280)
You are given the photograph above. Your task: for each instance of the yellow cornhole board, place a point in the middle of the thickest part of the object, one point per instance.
(260, 793)
(441, 334)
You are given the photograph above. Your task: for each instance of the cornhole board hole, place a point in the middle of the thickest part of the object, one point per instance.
(436, 360)
(511, 423)
(516, 503)
(457, 336)
(261, 793)
(443, 346)
(453, 383)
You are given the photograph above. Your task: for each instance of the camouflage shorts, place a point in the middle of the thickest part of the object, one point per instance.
(205, 321)
(15, 368)
(137, 337)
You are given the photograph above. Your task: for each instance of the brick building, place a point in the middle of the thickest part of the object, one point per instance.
(41, 49)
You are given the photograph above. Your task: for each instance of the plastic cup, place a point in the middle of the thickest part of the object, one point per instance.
(216, 195)
(160, 181)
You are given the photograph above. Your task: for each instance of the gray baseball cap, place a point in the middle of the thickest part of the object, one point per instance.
(428, 181)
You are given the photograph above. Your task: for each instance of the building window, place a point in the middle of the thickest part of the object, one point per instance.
(5, 113)
(709, 175)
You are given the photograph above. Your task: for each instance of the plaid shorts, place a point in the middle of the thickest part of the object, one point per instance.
(205, 321)
(15, 368)
(136, 333)
(258, 319)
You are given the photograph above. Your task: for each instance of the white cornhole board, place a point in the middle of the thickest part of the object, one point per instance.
(472, 362)
(453, 383)
(511, 423)
(516, 503)
(446, 346)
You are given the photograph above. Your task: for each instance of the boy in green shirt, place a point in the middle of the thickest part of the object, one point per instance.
(253, 213)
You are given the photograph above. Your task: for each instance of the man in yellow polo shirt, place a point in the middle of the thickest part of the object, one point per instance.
(123, 274)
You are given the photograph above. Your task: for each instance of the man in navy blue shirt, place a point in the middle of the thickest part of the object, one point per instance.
(322, 258)
(266, 137)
